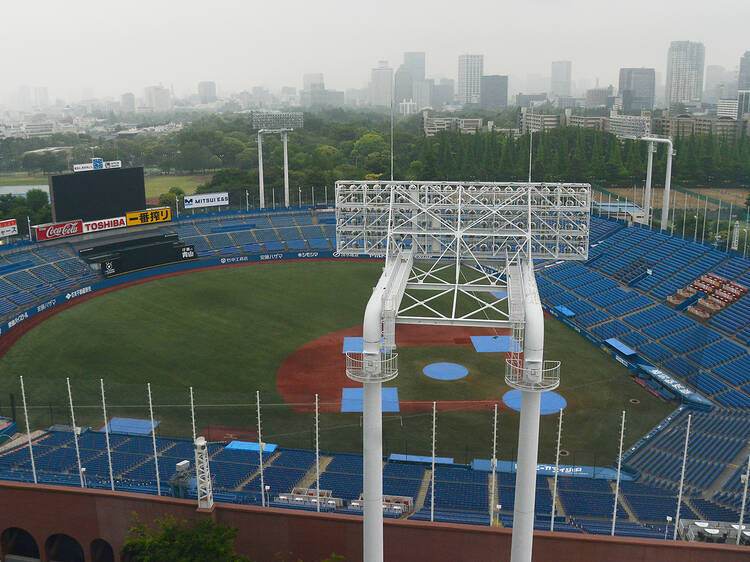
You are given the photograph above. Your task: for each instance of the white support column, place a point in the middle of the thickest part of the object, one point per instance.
(649, 173)
(75, 434)
(286, 170)
(28, 430)
(744, 499)
(682, 478)
(260, 170)
(493, 467)
(667, 184)
(153, 440)
(432, 476)
(557, 470)
(260, 452)
(619, 467)
(317, 457)
(106, 435)
(373, 471)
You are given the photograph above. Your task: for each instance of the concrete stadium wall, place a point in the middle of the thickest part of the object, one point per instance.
(280, 534)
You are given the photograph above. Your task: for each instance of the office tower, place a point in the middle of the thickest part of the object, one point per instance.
(41, 97)
(494, 92)
(743, 80)
(414, 63)
(424, 94)
(158, 98)
(381, 84)
(470, 70)
(685, 62)
(207, 92)
(127, 103)
(442, 93)
(743, 103)
(598, 97)
(560, 78)
(313, 82)
(403, 84)
(637, 89)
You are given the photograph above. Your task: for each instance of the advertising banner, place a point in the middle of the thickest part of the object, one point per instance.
(97, 164)
(58, 230)
(149, 216)
(8, 228)
(104, 224)
(206, 200)
(188, 252)
(110, 267)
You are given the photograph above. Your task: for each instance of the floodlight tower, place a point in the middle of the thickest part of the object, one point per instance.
(458, 254)
(283, 133)
(667, 178)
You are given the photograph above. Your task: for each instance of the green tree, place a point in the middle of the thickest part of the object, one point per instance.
(170, 540)
(169, 199)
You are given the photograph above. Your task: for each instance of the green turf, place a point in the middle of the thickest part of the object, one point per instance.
(156, 185)
(22, 178)
(227, 331)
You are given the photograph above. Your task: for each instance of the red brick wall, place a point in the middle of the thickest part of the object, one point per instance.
(265, 533)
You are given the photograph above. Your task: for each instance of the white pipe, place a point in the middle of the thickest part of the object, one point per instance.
(317, 458)
(153, 440)
(260, 170)
(682, 478)
(528, 430)
(75, 435)
(432, 499)
(649, 172)
(373, 471)
(493, 481)
(260, 452)
(106, 435)
(28, 428)
(667, 184)
(557, 470)
(619, 467)
(744, 499)
(286, 172)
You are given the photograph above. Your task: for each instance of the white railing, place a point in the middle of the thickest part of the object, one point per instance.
(539, 380)
(358, 369)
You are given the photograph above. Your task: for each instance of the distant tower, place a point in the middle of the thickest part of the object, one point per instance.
(494, 92)
(560, 79)
(127, 103)
(207, 92)
(470, 70)
(637, 89)
(414, 62)
(381, 84)
(685, 64)
(743, 80)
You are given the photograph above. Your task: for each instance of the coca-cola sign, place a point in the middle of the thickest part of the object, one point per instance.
(58, 230)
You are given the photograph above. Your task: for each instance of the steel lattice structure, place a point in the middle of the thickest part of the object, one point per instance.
(463, 238)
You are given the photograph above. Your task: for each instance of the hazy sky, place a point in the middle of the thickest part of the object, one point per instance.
(112, 47)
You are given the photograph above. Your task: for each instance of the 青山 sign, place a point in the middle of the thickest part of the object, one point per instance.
(206, 200)
(8, 227)
(149, 216)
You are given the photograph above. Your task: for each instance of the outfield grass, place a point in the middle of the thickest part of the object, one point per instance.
(156, 185)
(22, 178)
(227, 331)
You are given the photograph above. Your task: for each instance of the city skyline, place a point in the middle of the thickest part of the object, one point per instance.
(144, 50)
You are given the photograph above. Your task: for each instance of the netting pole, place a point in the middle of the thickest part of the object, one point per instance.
(106, 435)
(153, 439)
(718, 220)
(682, 478)
(28, 430)
(684, 214)
(557, 470)
(493, 480)
(317, 457)
(75, 435)
(260, 452)
(619, 467)
(432, 476)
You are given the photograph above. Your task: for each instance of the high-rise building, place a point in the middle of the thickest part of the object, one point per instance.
(728, 108)
(743, 80)
(403, 84)
(598, 97)
(207, 92)
(41, 97)
(637, 89)
(158, 98)
(685, 64)
(560, 83)
(743, 103)
(127, 103)
(719, 83)
(494, 92)
(313, 82)
(443, 92)
(424, 94)
(470, 70)
(381, 85)
(414, 63)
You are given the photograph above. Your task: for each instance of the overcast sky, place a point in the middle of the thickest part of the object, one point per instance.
(107, 48)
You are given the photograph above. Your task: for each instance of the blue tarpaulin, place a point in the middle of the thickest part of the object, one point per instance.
(417, 458)
(251, 446)
(619, 346)
(131, 425)
(564, 310)
(495, 344)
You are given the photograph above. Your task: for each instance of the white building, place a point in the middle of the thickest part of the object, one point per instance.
(381, 85)
(470, 70)
(560, 79)
(407, 107)
(685, 65)
(727, 108)
(629, 126)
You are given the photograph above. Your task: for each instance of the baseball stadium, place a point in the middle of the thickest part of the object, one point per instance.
(197, 365)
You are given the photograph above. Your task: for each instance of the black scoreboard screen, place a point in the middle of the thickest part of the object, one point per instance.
(97, 194)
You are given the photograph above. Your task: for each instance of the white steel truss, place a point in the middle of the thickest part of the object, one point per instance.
(463, 237)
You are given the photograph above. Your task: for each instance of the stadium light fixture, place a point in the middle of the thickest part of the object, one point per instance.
(283, 132)
(458, 254)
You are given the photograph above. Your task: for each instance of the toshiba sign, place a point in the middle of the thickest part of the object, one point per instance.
(58, 230)
(104, 224)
